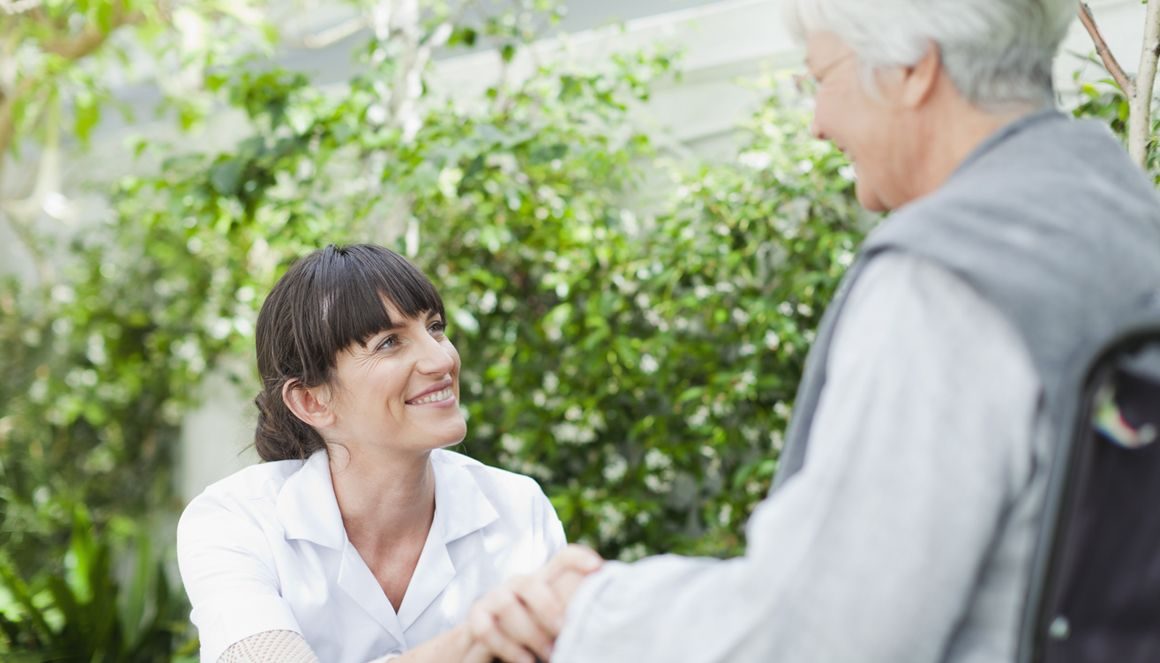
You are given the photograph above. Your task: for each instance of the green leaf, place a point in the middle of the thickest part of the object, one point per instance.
(23, 597)
(226, 176)
(87, 114)
(463, 35)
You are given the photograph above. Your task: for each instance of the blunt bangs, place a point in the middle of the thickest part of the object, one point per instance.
(336, 297)
(355, 282)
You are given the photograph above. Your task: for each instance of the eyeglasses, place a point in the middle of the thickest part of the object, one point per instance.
(807, 82)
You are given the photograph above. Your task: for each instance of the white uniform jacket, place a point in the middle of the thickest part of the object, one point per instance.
(265, 549)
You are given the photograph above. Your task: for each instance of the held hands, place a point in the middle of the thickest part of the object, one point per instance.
(519, 621)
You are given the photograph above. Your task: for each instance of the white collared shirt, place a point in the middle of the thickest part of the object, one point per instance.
(265, 549)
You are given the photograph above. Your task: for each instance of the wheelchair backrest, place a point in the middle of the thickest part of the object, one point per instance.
(1095, 592)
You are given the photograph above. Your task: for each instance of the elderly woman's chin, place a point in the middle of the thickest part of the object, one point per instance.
(869, 199)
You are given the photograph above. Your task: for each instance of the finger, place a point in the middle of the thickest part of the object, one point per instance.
(580, 559)
(514, 618)
(564, 586)
(478, 653)
(485, 630)
(542, 602)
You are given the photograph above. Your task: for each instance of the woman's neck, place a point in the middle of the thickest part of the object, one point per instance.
(386, 500)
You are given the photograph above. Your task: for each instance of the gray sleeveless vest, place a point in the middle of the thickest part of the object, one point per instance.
(1048, 220)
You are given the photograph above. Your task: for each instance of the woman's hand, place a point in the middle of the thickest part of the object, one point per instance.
(520, 620)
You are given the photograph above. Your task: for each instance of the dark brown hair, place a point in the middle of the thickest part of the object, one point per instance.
(325, 302)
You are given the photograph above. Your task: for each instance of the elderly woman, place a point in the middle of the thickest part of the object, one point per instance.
(908, 505)
(361, 537)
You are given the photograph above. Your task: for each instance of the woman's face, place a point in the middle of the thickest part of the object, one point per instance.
(399, 390)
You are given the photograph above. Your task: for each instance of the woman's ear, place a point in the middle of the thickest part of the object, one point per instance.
(310, 404)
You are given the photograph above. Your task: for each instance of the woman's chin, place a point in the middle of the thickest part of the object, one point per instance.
(452, 436)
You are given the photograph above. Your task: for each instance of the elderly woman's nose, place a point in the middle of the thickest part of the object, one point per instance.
(815, 129)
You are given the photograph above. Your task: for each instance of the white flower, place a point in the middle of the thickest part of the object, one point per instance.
(648, 364)
(755, 159)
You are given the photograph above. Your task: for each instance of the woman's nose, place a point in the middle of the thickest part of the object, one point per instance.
(434, 358)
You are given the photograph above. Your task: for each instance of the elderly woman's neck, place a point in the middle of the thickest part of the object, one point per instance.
(953, 130)
(383, 497)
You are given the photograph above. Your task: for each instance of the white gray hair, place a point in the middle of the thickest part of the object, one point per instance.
(996, 52)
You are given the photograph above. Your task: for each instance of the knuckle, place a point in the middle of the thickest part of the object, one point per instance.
(506, 600)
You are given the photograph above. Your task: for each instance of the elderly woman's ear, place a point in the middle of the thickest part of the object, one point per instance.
(310, 404)
(922, 78)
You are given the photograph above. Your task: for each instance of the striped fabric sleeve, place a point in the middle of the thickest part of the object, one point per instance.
(277, 647)
(270, 646)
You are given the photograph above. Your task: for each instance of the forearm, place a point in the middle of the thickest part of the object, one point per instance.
(454, 645)
(663, 608)
(270, 647)
(290, 647)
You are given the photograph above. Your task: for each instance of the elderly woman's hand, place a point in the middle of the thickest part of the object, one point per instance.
(519, 621)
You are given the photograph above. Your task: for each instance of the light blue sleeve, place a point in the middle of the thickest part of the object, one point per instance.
(869, 554)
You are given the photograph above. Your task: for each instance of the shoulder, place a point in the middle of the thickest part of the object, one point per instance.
(900, 295)
(250, 494)
(514, 500)
(919, 330)
(919, 348)
(256, 483)
(493, 481)
(500, 503)
(905, 276)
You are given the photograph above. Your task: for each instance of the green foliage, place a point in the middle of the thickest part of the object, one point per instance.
(639, 360)
(1105, 101)
(63, 52)
(110, 602)
(643, 371)
(640, 364)
(636, 352)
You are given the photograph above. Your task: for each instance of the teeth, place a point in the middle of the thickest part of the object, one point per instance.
(434, 397)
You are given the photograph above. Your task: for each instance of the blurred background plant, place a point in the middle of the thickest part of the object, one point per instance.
(633, 320)
(1105, 100)
(113, 602)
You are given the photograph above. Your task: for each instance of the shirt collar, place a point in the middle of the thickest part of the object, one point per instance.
(308, 509)
(461, 506)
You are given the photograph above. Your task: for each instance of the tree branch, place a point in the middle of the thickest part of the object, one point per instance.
(1140, 109)
(89, 39)
(7, 124)
(337, 33)
(1089, 23)
(11, 7)
(21, 215)
(70, 48)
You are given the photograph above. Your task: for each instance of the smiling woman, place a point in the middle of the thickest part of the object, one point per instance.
(348, 341)
(360, 537)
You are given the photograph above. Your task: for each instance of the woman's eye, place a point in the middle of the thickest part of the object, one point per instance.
(437, 328)
(389, 342)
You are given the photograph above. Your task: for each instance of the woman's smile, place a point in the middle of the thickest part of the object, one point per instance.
(441, 395)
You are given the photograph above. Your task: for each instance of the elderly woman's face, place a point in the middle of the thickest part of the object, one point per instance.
(400, 389)
(859, 124)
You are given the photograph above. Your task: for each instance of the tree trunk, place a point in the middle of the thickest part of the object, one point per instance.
(1138, 90)
(1140, 110)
